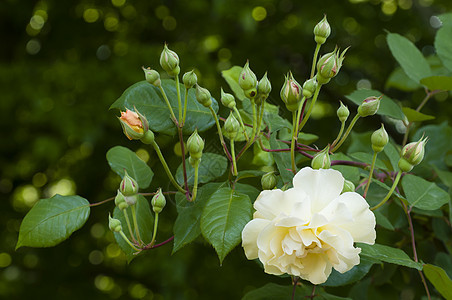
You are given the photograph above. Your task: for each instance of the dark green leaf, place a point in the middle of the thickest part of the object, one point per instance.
(145, 221)
(349, 172)
(276, 122)
(415, 116)
(439, 279)
(388, 107)
(307, 138)
(393, 154)
(232, 78)
(438, 83)
(355, 274)
(408, 56)
(187, 225)
(399, 80)
(439, 141)
(388, 254)
(383, 221)
(52, 220)
(211, 167)
(248, 174)
(149, 102)
(248, 190)
(443, 42)
(423, 194)
(223, 219)
(282, 159)
(121, 158)
(273, 291)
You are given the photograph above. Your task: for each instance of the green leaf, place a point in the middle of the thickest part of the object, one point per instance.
(282, 159)
(399, 80)
(248, 190)
(355, 274)
(388, 107)
(187, 225)
(415, 116)
(408, 56)
(349, 172)
(438, 83)
(393, 154)
(276, 122)
(367, 158)
(145, 221)
(232, 78)
(211, 167)
(383, 221)
(223, 219)
(121, 158)
(439, 141)
(248, 174)
(439, 279)
(388, 254)
(307, 138)
(423, 194)
(149, 102)
(273, 291)
(443, 43)
(51, 221)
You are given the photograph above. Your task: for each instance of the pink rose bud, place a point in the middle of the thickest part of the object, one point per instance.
(291, 92)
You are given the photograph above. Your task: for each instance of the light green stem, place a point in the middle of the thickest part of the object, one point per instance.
(344, 137)
(156, 223)
(294, 138)
(254, 120)
(185, 106)
(126, 216)
(261, 117)
(338, 135)
(220, 133)
(127, 241)
(314, 61)
(394, 185)
(195, 184)
(241, 123)
(135, 224)
(372, 167)
(234, 165)
(168, 103)
(311, 106)
(179, 100)
(167, 170)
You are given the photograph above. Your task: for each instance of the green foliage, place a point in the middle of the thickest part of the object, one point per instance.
(53, 220)
(439, 279)
(388, 107)
(423, 194)
(438, 83)
(122, 159)
(443, 44)
(211, 167)
(231, 76)
(388, 254)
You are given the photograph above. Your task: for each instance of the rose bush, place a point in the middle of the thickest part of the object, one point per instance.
(309, 229)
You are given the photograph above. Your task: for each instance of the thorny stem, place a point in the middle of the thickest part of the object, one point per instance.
(372, 167)
(220, 134)
(173, 117)
(135, 224)
(388, 195)
(344, 137)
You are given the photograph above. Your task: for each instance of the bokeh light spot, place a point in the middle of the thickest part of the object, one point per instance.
(138, 291)
(5, 260)
(63, 187)
(363, 84)
(169, 23)
(435, 22)
(118, 3)
(96, 257)
(162, 12)
(389, 7)
(351, 26)
(33, 47)
(143, 154)
(405, 4)
(291, 21)
(97, 230)
(259, 13)
(39, 179)
(224, 54)
(104, 283)
(120, 48)
(31, 260)
(103, 52)
(113, 250)
(111, 23)
(37, 22)
(91, 15)
(211, 43)
(426, 3)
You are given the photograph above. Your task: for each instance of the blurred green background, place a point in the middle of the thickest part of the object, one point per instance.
(62, 63)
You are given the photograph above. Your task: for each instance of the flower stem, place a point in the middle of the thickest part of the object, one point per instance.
(344, 137)
(394, 185)
(234, 165)
(179, 100)
(167, 170)
(314, 60)
(126, 216)
(184, 168)
(372, 167)
(311, 106)
(185, 106)
(127, 241)
(195, 184)
(241, 123)
(173, 117)
(339, 134)
(156, 223)
(220, 134)
(292, 145)
(135, 224)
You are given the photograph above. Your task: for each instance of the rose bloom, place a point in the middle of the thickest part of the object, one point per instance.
(309, 229)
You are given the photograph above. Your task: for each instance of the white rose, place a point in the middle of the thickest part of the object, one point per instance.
(309, 229)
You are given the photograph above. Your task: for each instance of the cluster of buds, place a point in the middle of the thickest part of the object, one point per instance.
(136, 126)
(412, 154)
(379, 139)
(322, 159)
(195, 146)
(158, 202)
(231, 126)
(329, 65)
(291, 92)
(169, 61)
(248, 81)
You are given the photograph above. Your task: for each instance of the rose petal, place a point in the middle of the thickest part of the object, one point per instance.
(316, 268)
(250, 234)
(270, 203)
(322, 186)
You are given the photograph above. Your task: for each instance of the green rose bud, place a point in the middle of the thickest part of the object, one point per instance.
(195, 145)
(114, 224)
(148, 137)
(268, 181)
(227, 100)
(412, 154)
(322, 31)
(291, 92)
(379, 139)
(158, 201)
(203, 96)
(152, 76)
(128, 186)
(248, 81)
(189, 79)
(169, 61)
(309, 87)
(348, 186)
(329, 65)
(120, 202)
(342, 113)
(322, 159)
(134, 124)
(369, 107)
(264, 88)
(231, 126)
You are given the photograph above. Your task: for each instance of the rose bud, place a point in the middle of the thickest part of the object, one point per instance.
(268, 181)
(189, 79)
(342, 113)
(203, 96)
(412, 154)
(309, 87)
(322, 160)
(158, 201)
(169, 61)
(379, 139)
(291, 92)
(322, 31)
(195, 145)
(369, 106)
(114, 224)
(227, 100)
(152, 76)
(231, 126)
(133, 124)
